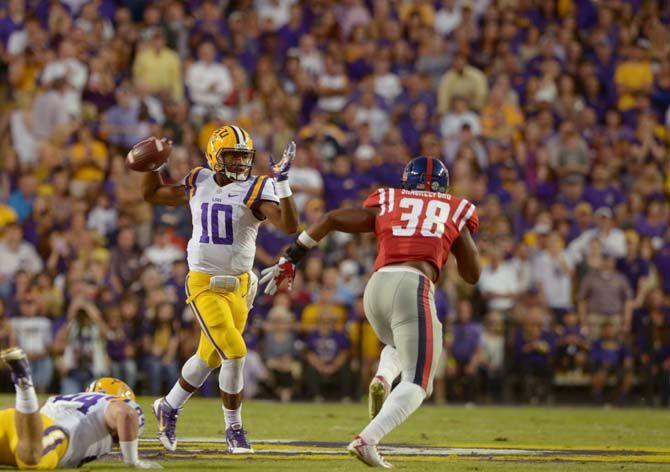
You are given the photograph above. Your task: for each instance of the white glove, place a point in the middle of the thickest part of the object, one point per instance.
(276, 274)
(144, 464)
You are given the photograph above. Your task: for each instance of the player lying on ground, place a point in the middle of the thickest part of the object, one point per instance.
(228, 204)
(69, 430)
(416, 228)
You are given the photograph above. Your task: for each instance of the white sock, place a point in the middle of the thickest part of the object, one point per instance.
(26, 400)
(402, 402)
(195, 371)
(178, 396)
(389, 364)
(232, 417)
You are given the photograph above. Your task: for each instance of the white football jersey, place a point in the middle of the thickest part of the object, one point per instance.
(82, 416)
(224, 224)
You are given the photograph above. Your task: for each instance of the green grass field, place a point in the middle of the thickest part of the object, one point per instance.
(313, 437)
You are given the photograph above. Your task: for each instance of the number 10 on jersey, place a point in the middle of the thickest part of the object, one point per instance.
(217, 214)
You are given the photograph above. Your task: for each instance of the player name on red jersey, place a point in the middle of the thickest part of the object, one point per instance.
(415, 225)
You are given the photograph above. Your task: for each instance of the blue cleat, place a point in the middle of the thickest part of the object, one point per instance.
(167, 423)
(236, 438)
(18, 364)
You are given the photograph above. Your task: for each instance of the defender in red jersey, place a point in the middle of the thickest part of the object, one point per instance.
(417, 227)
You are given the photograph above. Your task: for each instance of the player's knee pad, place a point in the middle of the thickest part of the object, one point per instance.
(196, 370)
(231, 378)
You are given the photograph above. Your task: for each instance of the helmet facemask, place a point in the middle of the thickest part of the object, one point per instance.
(235, 164)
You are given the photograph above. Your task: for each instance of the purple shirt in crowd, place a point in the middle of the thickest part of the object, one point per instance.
(609, 196)
(328, 347)
(467, 337)
(609, 353)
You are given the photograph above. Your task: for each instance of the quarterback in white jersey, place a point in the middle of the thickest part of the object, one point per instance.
(228, 204)
(224, 223)
(69, 430)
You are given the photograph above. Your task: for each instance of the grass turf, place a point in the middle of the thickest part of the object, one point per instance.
(600, 432)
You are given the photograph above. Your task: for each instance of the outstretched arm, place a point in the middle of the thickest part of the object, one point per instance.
(123, 422)
(347, 220)
(154, 191)
(467, 257)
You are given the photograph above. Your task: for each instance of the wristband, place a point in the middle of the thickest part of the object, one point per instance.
(129, 451)
(306, 240)
(283, 189)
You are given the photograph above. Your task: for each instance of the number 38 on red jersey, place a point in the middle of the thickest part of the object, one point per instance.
(413, 225)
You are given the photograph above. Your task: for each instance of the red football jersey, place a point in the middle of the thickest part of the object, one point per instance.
(416, 225)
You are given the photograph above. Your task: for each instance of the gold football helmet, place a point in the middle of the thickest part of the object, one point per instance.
(230, 150)
(111, 386)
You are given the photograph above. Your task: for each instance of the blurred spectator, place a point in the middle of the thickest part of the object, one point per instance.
(635, 267)
(126, 258)
(70, 69)
(161, 342)
(611, 357)
(120, 348)
(122, 124)
(553, 274)
(326, 369)
(158, 68)
(22, 199)
(33, 335)
(499, 283)
(279, 352)
(572, 344)
(80, 341)
(602, 192)
(464, 345)
(16, 254)
(103, 217)
(534, 349)
(462, 80)
(163, 252)
(492, 360)
(208, 83)
(306, 181)
(458, 117)
(332, 86)
(605, 296)
(611, 238)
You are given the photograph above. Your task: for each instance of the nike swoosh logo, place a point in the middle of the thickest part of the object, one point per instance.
(233, 194)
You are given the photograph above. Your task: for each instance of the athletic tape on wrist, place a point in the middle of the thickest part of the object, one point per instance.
(306, 240)
(129, 451)
(283, 189)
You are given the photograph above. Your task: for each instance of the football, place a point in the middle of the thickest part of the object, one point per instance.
(148, 155)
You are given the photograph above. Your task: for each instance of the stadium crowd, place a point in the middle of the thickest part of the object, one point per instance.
(552, 116)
